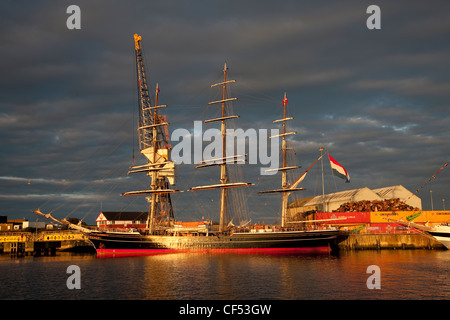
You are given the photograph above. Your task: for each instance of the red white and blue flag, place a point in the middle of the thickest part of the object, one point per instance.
(339, 170)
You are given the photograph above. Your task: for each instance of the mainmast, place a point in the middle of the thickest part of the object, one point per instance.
(154, 145)
(222, 161)
(286, 189)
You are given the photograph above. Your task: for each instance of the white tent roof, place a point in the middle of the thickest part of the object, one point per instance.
(363, 194)
(346, 196)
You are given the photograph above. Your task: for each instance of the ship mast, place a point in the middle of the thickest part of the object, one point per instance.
(286, 189)
(154, 145)
(222, 161)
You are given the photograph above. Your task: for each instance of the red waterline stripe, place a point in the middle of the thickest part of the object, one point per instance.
(137, 252)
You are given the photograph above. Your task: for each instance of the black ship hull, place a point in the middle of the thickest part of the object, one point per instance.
(109, 244)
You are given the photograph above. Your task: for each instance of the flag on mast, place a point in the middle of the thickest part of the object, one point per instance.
(339, 170)
(285, 100)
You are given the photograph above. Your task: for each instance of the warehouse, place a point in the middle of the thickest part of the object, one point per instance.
(332, 201)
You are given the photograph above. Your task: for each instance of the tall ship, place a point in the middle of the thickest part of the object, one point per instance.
(163, 234)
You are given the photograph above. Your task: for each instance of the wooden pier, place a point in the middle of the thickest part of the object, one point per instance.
(43, 243)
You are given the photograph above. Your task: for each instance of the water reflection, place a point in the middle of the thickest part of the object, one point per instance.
(405, 274)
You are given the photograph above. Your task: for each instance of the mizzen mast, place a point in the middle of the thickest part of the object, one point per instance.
(286, 189)
(223, 160)
(154, 145)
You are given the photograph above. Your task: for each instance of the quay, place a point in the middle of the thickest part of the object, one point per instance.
(389, 241)
(43, 243)
(50, 242)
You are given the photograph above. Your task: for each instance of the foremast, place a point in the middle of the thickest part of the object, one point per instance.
(224, 159)
(154, 145)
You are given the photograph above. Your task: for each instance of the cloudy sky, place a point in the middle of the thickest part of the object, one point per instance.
(377, 100)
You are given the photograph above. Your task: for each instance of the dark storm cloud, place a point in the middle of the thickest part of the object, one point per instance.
(377, 100)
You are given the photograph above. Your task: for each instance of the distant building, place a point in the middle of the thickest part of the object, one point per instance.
(34, 224)
(121, 220)
(6, 227)
(21, 224)
(332, 201)
(12, 225)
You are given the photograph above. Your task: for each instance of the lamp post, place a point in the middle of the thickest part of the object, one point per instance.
(431, 198)
(323, 185)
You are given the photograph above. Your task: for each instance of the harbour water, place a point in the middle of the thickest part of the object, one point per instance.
(403, 275)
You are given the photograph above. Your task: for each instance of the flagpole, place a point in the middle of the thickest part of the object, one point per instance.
(323, 185)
